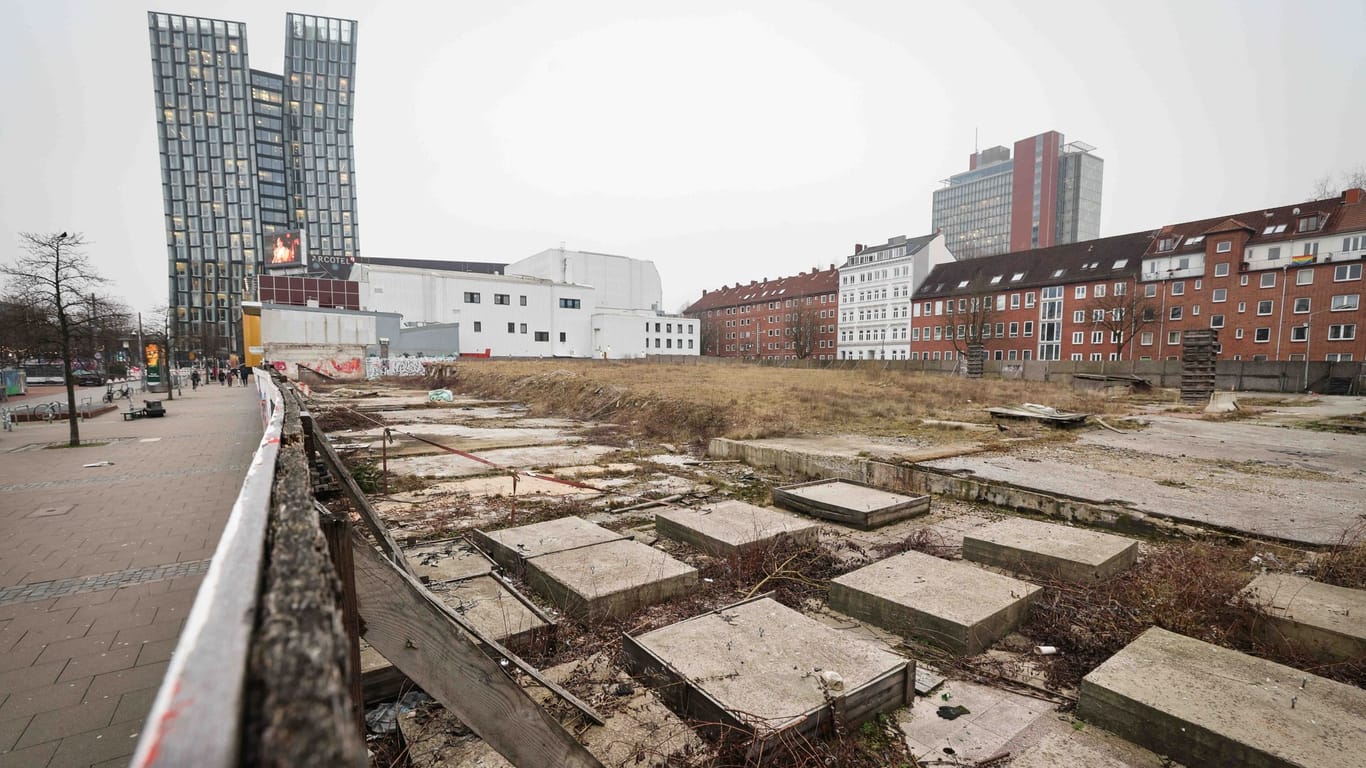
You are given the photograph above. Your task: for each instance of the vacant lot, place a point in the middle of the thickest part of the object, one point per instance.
(692, 403)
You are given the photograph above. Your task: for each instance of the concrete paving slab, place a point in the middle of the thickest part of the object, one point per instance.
(1328, 620)
(851, 503)
(487, 603)
(1073, 554)
(955, 606)
(730, 527)
(447, 559)
(764, 667)
(501, 485)
(511, 547)
(451, 465)
(994, 718)
(1205, 705)
(612, 579)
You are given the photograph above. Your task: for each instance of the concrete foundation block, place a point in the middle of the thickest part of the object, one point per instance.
(958, 607)
(1326, 620)
(851, 503)
(766, 669)
(731, 527)
(512, 547)
(1072, 554)
(612, 579)
(447, 559)
(1204, 705)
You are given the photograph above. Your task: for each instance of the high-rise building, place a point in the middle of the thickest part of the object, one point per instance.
(1047, 194)
(251, 163)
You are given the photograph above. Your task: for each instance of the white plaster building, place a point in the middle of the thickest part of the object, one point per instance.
(876, 284)
(618, 282)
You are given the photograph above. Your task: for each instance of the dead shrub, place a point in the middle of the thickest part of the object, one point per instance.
(1344, 563)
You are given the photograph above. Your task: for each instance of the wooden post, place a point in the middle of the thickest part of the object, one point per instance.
(421, 640)
(362, 504)
(337, 529)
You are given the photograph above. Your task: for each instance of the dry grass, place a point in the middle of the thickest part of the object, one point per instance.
(689, 403)
(1344, 563)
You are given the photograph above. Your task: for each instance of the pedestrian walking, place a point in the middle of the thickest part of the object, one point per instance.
(222, 380)
(244, 371)
(194, 379)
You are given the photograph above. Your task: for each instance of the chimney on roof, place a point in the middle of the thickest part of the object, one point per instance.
(1353, 196)
(832, 267)
(858, 248)
(704, 291)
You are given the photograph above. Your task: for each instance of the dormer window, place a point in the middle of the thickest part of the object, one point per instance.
(1223, 246)
(1166, 244)
(1191, 241)
(1308, 224)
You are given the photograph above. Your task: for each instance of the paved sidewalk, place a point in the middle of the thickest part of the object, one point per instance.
(99, 567)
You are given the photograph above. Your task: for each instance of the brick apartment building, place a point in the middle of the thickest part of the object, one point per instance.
(786, 318)
(1281, 283)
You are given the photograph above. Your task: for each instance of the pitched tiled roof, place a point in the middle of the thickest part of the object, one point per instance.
(1263, 224)
(1107, 258)
(813, 283)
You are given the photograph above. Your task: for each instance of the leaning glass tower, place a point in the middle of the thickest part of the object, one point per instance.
(246, 157)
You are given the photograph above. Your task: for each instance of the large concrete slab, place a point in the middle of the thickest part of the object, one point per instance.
(731, 527)
(533, 457)
(768, 669)
(1073, 554)
(488, 604)
(511, 547)
(1205, 705)
(612, 579)
(1329, 621)
(852, 503)
(955, 606)
(447, 559)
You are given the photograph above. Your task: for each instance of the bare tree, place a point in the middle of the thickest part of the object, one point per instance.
(970, 328)
(1121, 314)
(804, 329)
(25, 331)
(1324, 187)
(56, 278)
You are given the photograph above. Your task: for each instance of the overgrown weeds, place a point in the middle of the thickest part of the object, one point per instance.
(1344, 563)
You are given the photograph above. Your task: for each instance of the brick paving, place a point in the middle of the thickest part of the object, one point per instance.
(99, 567)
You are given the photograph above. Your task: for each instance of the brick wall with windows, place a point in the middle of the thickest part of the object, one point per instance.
(767, 319)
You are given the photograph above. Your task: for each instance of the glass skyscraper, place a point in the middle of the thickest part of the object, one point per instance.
(248, 157)
(1048, 194)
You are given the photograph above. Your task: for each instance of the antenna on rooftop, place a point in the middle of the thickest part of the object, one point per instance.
(974, 139)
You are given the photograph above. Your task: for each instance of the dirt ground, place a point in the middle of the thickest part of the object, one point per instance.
(602, 440)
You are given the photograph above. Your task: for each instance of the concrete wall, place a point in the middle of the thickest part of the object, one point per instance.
(627, 334)
(304, 325)
(438, 340)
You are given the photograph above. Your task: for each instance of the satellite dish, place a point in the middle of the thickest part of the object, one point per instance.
(1296, 211)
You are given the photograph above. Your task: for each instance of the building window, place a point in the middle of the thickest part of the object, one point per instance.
(1174, 337)
(1268, 280)
(1219, 295)
(471, 297)
(1304, 277)
(502, 298)
(1014, 330)
(1299, 333)
(1261, 335)
(1029, 295)
(1346, 272)
(1216, 321)
(569, 303)
(1345, 303)
(1223, 246)
(1079, 292)
(1242, 307)
(543, 335)
(521, 328)
(1345, 332)
(1237, 334)
(1307, 224)
(1338, 357)
(512, 327)
(1014, 301)
(478, 326)
(1175, 313)
(1150, 290)
(1079, 316)
(1273, 253)
(1179, 288)
(1221, 269)
(1166, 244)
(1078, 337)
(1029, 328)
(1264, 307)
(1097, 337)
(1301, 306)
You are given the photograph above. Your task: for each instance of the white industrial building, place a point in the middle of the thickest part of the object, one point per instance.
(542, 306)
(876, 284)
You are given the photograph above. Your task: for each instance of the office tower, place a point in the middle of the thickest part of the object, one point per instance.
(249, 160)
(1048, 193)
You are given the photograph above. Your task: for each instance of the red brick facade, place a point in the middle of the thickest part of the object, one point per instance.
(787, 318)
(1278, 284)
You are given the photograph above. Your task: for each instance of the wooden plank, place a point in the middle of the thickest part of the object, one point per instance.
(411, 630)
(368, 515)
(337, 529)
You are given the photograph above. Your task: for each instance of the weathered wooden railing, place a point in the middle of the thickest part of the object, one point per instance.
(265, 672)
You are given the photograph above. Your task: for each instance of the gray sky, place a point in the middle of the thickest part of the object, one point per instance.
(725, 141)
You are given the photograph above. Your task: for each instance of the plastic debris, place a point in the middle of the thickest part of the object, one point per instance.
(953, 713)
(383, 718)
(440, 396)
(105, 463)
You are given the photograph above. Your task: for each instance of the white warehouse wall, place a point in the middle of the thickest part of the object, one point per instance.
(620, 282)
(623, 334)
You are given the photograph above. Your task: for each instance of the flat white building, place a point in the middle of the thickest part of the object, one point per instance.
(876, 284)
(521, 315)
(619, 282)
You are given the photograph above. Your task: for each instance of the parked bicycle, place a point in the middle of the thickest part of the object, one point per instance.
(47, 411)
(122, 393)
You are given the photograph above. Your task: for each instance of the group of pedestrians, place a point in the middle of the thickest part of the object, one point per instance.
(223, 374)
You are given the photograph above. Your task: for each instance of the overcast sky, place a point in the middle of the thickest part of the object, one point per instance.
(726, 141)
